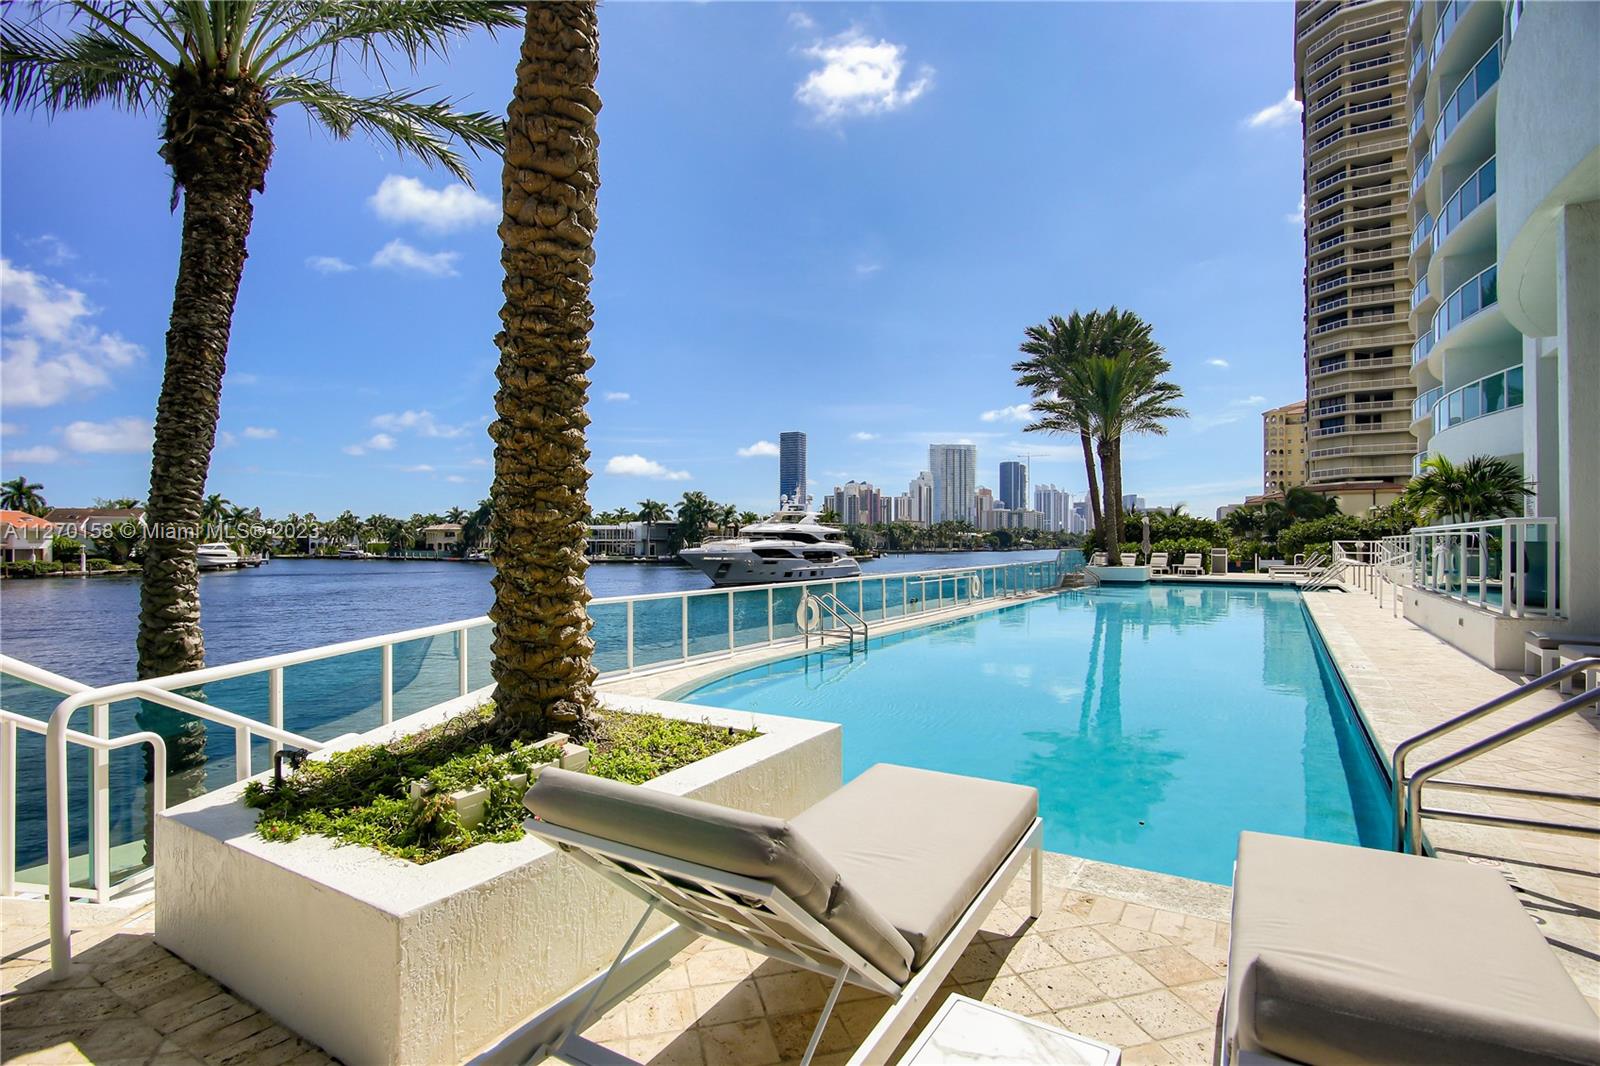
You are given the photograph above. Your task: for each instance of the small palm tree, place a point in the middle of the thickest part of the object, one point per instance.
(728, 518)
(218, 72)
(748, 517)
(20, 494)
(456, 515)
(1303, 505)
(543, 656)
(1481, 488)
(1053, 347)
(213, 513)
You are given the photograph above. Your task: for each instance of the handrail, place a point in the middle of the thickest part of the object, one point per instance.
(1407, 796)
(840, 612)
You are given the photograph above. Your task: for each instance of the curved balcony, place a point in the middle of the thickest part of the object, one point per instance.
(1422, 407)
(1492, 393)
(1423, 231)
(1419, 293)
(1466, 199)
(1474, 295)
(1472, 88)
(1424, 165)
(1423, 345)
(1449, 15)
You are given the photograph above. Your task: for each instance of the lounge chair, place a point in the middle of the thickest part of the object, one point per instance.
(1350, 955)
(1309, 565)
(1158, 563)
(1130, 558)
(1191, 564)
(882, 884)
(1540, 653)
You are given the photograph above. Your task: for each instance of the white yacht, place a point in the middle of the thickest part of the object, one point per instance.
(787, 546)
(216, 556)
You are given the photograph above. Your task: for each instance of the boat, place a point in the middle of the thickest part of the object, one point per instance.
(216, 556)
(478, 556)
(353, 553)
(786, 546)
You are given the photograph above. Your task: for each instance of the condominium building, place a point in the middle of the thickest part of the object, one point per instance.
(1055, 508)
(1082, 517)
(983, 505)
(955, 481)
(792, 470)
(920, 503)
(857, 503)
(1283, 447)
(1350, 75)
(1013, 490)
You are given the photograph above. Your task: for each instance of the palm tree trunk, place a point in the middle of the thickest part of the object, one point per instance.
(1094, 487)
(542, 666)
(1113, 500)
(218, 141)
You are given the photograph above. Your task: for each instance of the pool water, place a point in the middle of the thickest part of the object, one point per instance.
(1156, 722)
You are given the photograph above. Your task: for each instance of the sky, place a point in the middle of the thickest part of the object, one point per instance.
(835, 218)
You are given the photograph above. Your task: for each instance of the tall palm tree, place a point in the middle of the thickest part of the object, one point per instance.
(1301, 504)
(543, 667)
(1053, 347)
(218, 72)
(213, 513)
(748, 517)
(1480, 488)
(456, 515)
(728, 518)
(20, 494)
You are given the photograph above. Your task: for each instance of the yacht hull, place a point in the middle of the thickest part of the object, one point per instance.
(728, 569)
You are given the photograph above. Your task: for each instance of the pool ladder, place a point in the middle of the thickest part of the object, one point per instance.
(846, 622)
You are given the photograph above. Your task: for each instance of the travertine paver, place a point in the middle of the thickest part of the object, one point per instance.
(1158, 998)
(1405, 680)
(128, 1000)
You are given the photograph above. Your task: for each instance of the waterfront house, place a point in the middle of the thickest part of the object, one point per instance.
(26, 537)
(444, 537)
(85, 524)
(630, 540)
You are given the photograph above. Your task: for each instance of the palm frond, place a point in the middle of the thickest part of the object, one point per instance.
(43, 70)
(417, 30)
(424, 129)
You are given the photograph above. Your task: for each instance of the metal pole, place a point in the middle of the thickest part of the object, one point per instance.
(275, 708)
(100, 809)
(241, 753)
(60, 881)
(683, 624)
(386, 686)
(630, 636)
(8, 815)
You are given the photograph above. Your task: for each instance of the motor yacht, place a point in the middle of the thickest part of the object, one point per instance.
(787, 546)
(216, 556)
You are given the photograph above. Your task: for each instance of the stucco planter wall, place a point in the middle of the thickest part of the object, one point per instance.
(378, 960)
(1120, 575)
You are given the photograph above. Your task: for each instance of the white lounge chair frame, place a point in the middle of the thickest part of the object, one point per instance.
(1191, 567)
(760, 917)
(1161, 567)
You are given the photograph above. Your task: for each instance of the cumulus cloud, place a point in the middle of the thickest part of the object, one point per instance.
(1220, 364)
(259, 433)
(378, 442)
(1298, 216)
(419, 468)
(863, 435)
(617, 397)
(53, 249)
(407, 200)
(858, 76)
(639, 466)
(52, 349)
(226, 439)
(39, 453)
(1282, 113)
(760, 447)
(1017, 412)
(398, 255)
(456, 479)
(801, 21)
(422, 423)
(118, 436)
(328, 264)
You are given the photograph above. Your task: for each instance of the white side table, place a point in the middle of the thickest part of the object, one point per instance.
(967, 1031)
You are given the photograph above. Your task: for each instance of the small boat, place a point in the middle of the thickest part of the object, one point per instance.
(787, 546)
(353, 553)
(216, 556)
(478, 556)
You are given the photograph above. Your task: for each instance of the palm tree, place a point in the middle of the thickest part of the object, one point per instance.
(456, 515)
(20, 494)
(213, 513)
(1483, 487)
(748, 517)
(543, 668)
(1301, 504)
(728, 518)
(1054, 347)
(218, 71)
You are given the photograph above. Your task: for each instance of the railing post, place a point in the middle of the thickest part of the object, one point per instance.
(385, 686)
(8, 807)
(462, 685)
(630, 636)
(770, 630)
(60, 878)
(730, 621)
(683, 624)
(275, 707)
(100, 806)
(241, 753)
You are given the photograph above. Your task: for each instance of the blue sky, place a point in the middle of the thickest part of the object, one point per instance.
(836, 218)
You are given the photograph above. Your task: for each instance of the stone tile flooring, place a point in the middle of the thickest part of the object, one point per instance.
(1146, 978)
(127, 1000)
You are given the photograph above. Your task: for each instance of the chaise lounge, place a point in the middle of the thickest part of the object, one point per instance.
(1347, 955)
(1158, 563)
(883, 884)
(1191, 564)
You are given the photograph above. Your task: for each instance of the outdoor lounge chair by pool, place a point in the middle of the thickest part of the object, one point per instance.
(882, 884)
(1191, 564)
(1350, 955)
(1158, 563)
(1541, 653)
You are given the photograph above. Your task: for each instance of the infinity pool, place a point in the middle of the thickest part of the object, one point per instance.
(1156, 722)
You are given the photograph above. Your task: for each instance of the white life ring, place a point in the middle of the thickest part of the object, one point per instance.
(975, 586)
(808, 616)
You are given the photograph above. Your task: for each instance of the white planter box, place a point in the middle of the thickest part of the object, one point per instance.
(1120, 575)
(378, 960)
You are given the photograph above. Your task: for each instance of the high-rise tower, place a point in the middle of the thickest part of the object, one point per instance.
(792, 470)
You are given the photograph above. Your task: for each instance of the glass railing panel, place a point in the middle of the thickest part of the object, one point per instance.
(709, 623)
(1420, 234)
(610, 636)
(657, 630)
(330, 697)
(1469, 91)
(894, 597)
(872, 599)
(785, 602)
(1466, 199)
(749, 617)
(1500, 391)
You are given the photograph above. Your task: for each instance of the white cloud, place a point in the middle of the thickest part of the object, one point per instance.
(456, 479)
(453, 207)
(1220, 364)
(1017, 412)
(398, 255)
(420, 468)
(41, 453)
(867, 267)
(226, 439)
(259, 433)
(801, 21)
(1298, 217)
(617, 397)
(423, 423)
(477, 460)
(1250, 401)
(52, 350)
(328, 264)
(863, 435)
(55, 250)
(760, 447)
(120, 435)
(639, 466)
(1282, 113)
(859, 76)
(378, 442)
(10, 429)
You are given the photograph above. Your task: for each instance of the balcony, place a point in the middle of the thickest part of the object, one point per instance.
(1382, 82)
(1364, 322)
(1350, 449)
(1336, 73)
(1424, 165)
(1421, 233)
(1348, 473)
(1423, 345)
(1361, 407)
(1357, 365)
(1354, 131)
(1478, 81)
(1396, 339)
(1449, 14)
(1356, 279)
(1474, 295)
(1345, 387)
(1375, 41)
(1422, 406)
(1419, 293)
(1490, 394)
(1466, 199)
(1362, 427)
(1317, 166)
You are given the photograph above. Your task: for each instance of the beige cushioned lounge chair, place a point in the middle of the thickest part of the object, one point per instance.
(882, 884)
(1348, 955)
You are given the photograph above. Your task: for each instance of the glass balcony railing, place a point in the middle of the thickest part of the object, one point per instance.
(1479, 80)
(1472, 192)
(1480, 292)
(1499, 391)
(1424, 165)
(1420, 293)
(1449, 15)
(1417, 119)
(1420, 234)
(1420, 350)
(1422, 406)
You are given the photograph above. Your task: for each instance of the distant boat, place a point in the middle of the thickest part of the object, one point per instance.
(479, 556)
(353, 553)
(216, 556)
(787, 546)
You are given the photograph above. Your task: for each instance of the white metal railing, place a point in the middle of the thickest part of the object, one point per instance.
(1508, 566)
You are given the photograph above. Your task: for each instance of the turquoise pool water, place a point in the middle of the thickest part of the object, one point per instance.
(1156, 722)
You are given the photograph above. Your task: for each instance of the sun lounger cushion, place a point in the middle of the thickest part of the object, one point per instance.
(1343, 954)
(919, 845)
(1551, 640)
(737, 842)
